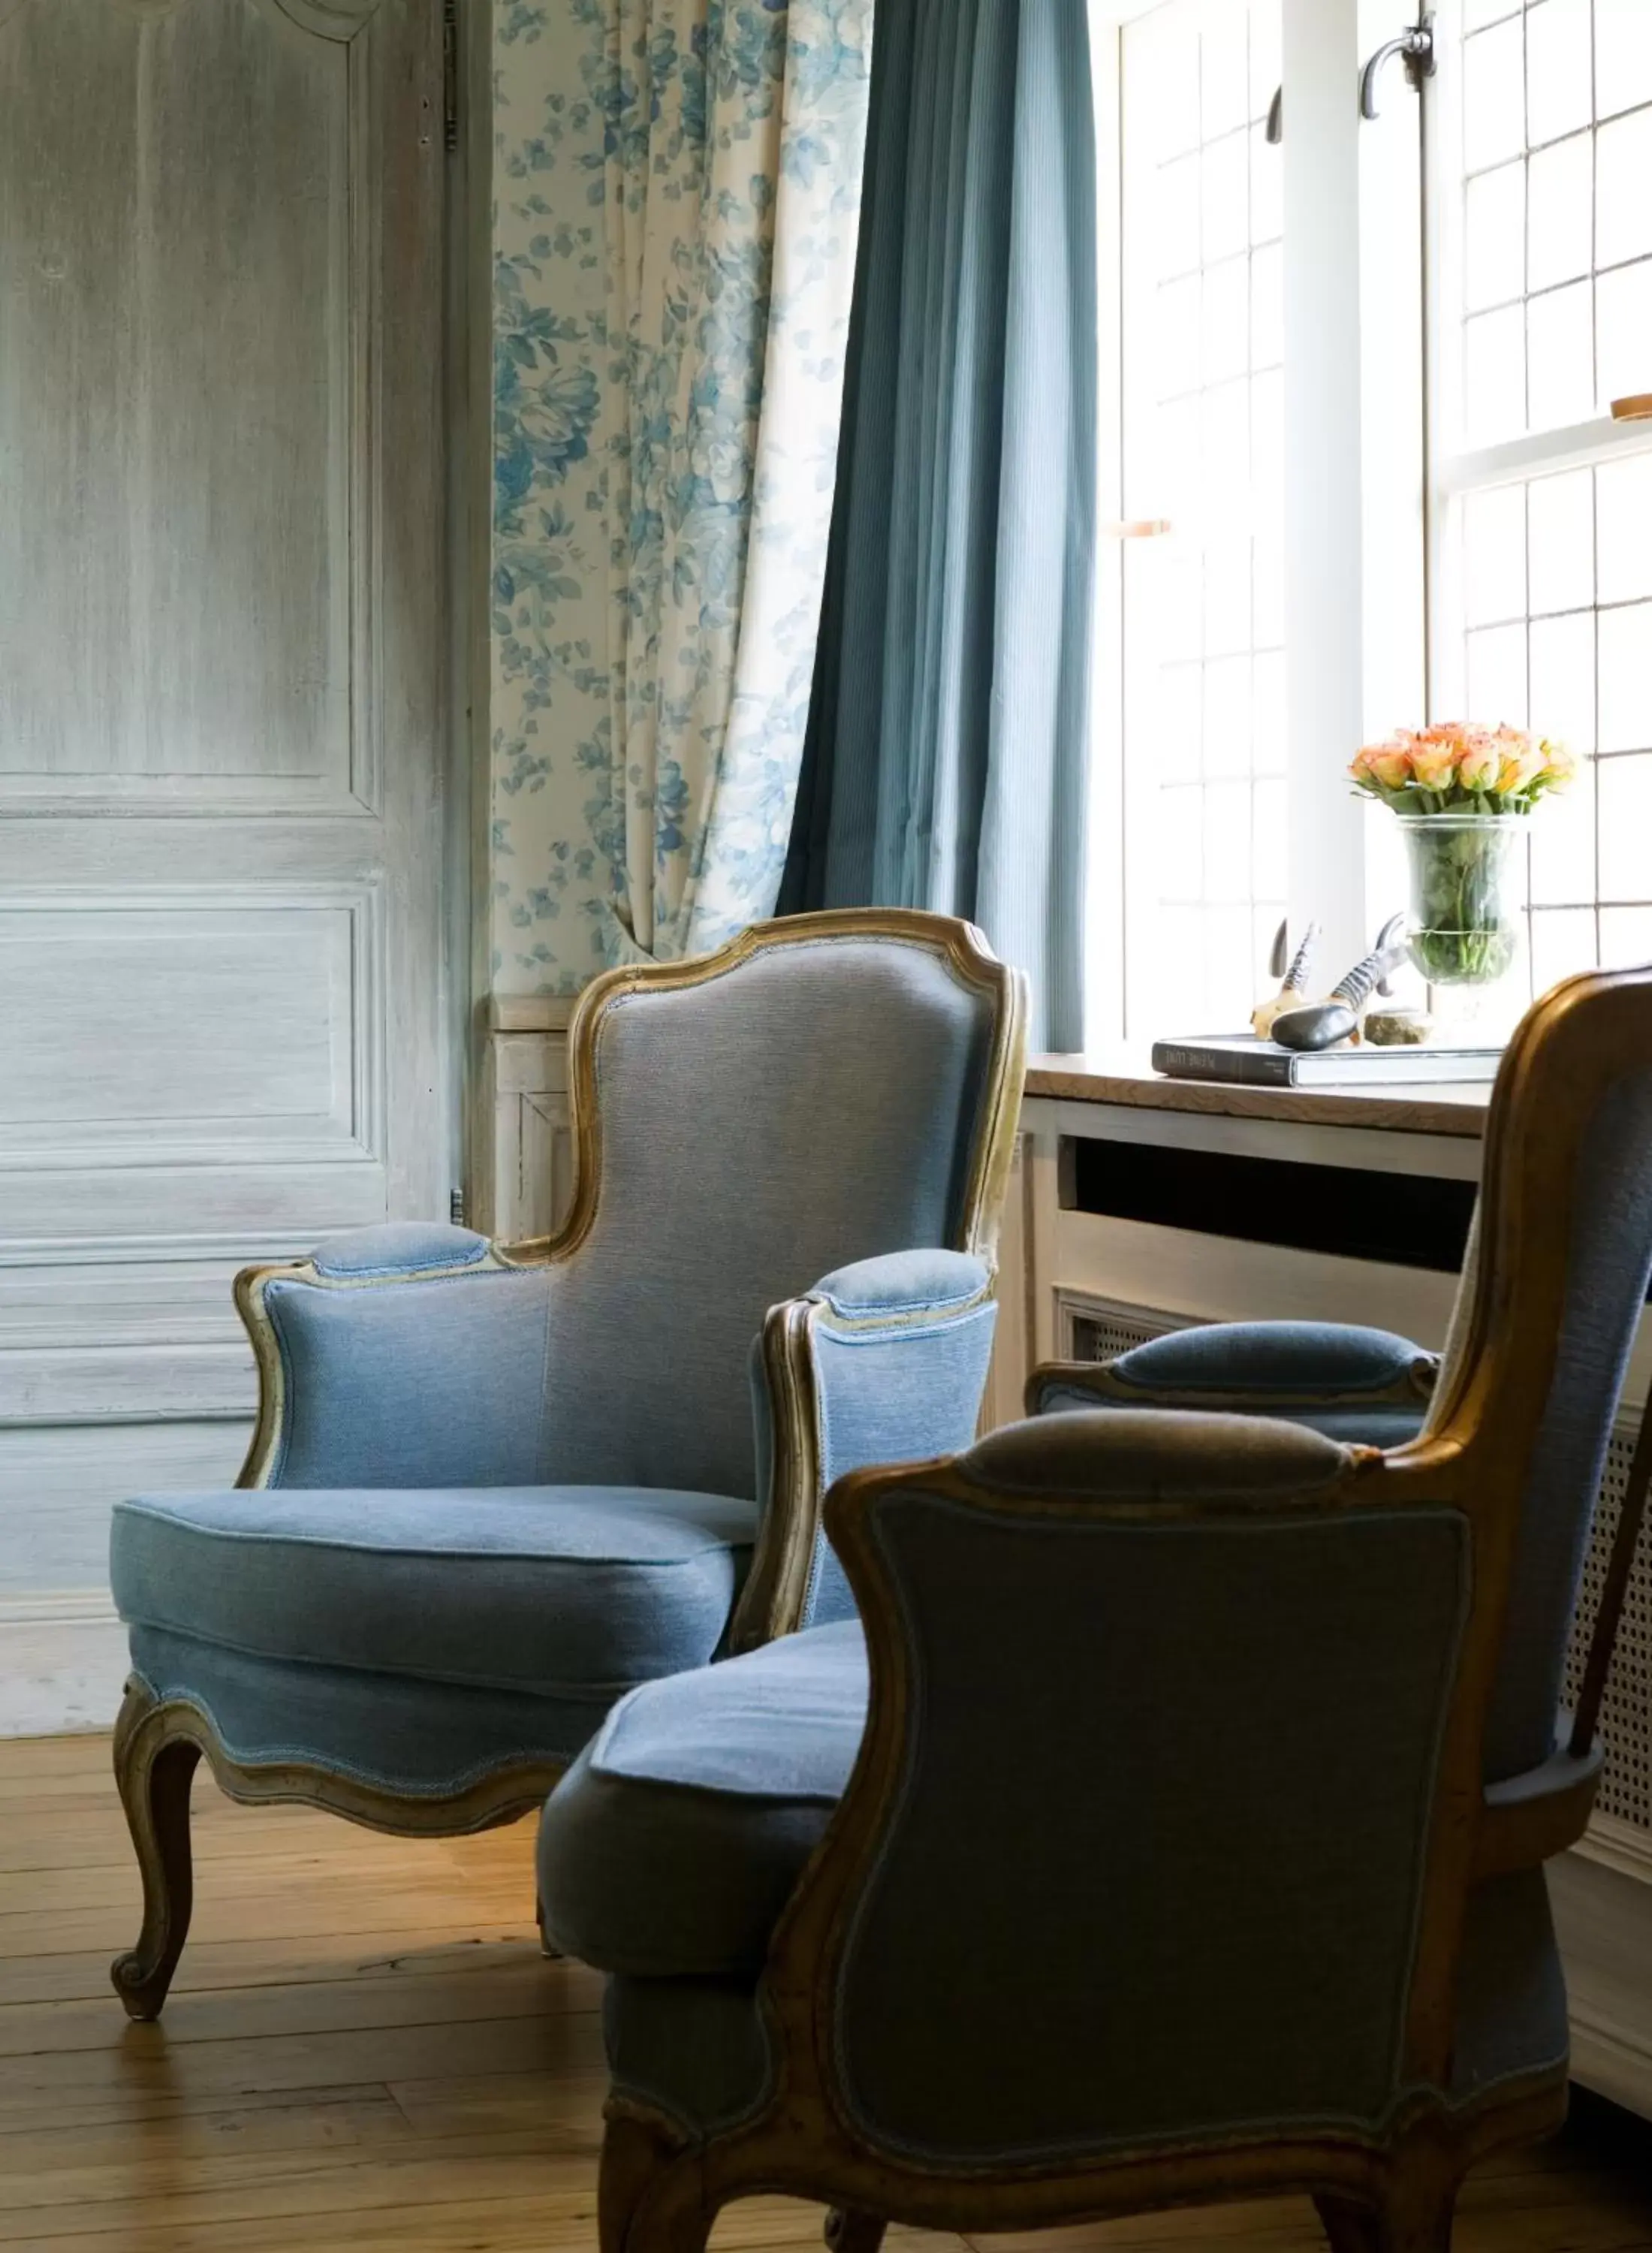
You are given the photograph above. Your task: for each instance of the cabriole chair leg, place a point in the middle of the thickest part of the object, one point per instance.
(1413, 2215)
(153, 1773)
(636, 2161)
(850, 2231)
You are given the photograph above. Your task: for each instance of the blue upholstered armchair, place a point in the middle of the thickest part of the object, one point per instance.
(492, 1491)
(1175, 1830)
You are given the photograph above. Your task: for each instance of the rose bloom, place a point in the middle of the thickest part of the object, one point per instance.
(1481, 763)
(1558, 765)
(1434, 764)
(1387, 765)
(1519, 768)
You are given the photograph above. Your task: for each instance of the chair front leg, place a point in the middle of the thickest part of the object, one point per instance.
(153, 1772)
(649, 2191)
(848, 2230)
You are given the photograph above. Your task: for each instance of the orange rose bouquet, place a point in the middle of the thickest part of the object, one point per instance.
(1460, 792)
(1457, 768)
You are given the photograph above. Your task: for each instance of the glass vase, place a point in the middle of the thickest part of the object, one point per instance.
(1463, 928)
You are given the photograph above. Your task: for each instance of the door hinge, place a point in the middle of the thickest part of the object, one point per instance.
(455, 1207)
(450, 75)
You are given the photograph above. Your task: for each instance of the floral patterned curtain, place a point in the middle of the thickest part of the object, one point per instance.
(735, 131)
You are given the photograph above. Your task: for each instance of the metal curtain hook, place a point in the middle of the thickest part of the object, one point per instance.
(1415, 47)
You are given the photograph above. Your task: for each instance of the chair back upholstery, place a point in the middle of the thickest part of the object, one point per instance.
(1562, 1252)
(1143, 1811)
(825, 1089)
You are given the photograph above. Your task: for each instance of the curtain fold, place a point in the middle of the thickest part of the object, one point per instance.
(948, 739)
(730, 199)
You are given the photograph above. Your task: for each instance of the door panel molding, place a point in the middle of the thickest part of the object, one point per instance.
(146, 1029)
(313, 731)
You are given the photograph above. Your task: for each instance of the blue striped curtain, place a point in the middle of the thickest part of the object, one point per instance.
(948, 741)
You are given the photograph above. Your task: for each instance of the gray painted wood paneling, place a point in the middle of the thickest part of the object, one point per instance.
(222, 708)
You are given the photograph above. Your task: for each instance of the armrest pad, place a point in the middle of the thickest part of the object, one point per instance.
(398, 1247)
(1247, 1366)
(919, 1282)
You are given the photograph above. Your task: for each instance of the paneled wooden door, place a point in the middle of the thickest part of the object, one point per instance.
(221, 718)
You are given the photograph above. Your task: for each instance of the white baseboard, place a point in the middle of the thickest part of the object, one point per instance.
(1612, 2062)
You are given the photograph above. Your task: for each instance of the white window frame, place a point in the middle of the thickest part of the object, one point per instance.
(1454, 471)
(1355, 602)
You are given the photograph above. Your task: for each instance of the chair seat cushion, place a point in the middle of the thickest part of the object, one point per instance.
(535, 1588)
(673, 1842)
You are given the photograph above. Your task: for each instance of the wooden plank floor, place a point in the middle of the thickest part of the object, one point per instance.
(365, 2049)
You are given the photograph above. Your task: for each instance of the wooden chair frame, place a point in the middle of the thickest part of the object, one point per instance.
(661, 2187)
(158, 1742)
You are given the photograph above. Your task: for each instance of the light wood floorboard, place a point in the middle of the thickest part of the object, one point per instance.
(365, 2050)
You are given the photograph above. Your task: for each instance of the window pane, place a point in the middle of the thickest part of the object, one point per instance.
(1494, 375)
(1180, 721)
(1495, 238)
(1558, 73)
(1227, 198)
(1623, 188)
(1562, 940)
(1624, 503)
(1227, 319)
(1626, 937)
(1267, 213)
(1626, 823)
(1267, 552)
(1562, 848)
(1494, 95)
(1267, 842)
(1622, 55)
(1225, 78)
(1267, 307)
(1203, 439)
(1561, 652)
(1227, 595)
(1179, 317)
(1495, 555)
(1561, 210)
(1267, 717)
(1625, 343)
(1227, 847)
(1266, 70)
(1227, 720)
(1626, 686)
(1561, 515)
(1176, 223)
(1560, 357)
(1497, 676)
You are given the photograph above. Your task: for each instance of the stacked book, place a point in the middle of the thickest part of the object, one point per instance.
(1242, 1058)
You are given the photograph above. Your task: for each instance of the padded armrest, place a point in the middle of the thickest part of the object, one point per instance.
(920, 1285)
(402, 1355)
(398, 1247)
(883, 1362)
(1347, 1382)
